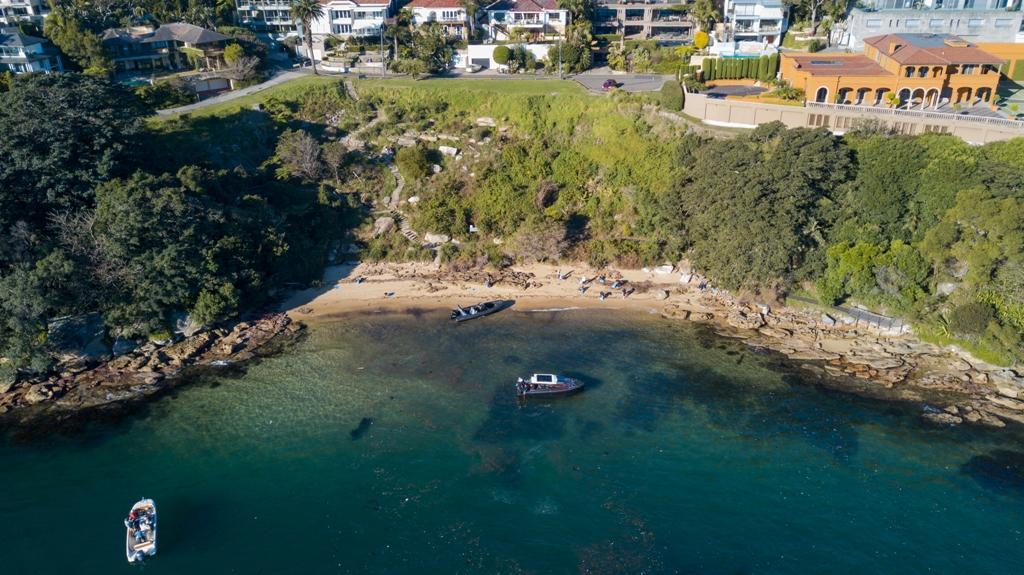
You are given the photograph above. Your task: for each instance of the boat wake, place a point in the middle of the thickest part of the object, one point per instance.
(549, 309)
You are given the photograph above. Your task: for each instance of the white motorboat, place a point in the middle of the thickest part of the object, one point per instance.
(140, 540)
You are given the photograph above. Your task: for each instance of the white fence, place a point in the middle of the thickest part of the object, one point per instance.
(939, 116)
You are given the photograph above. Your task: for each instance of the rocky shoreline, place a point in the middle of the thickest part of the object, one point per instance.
(84, 391)
(954, 387)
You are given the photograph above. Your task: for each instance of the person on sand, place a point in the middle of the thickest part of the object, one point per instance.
(583, 290)
(604, 295)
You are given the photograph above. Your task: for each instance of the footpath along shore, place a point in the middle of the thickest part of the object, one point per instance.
(863, 359)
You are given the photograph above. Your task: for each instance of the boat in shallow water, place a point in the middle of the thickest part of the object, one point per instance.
(547, 385)
(140, 540)
(460, 314)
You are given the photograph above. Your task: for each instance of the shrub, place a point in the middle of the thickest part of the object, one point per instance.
(700, 40)
(815, 46)
(502, 54)
(970, 320)
(233, 53)
(539, 239)
(672, 96)
(708, 69)
(413, 162)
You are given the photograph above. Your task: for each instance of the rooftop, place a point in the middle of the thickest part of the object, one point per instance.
(11, 37)
(435, 4)
(525, 5)
(178, 31)
(835, 65)
(930, 49)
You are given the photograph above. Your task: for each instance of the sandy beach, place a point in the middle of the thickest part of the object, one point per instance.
(533, 287)
(846, 353)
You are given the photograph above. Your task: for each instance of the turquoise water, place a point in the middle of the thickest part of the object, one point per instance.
(686, 454)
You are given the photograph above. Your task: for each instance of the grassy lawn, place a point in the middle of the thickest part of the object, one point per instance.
(289, 90)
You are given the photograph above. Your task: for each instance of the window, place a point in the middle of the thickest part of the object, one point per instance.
(975, 22)
(1004, 23)
(450, 15)
(968, 4)
(936, 23)
(968, 69)
(337, 14)
(909, 72)
(874, 23)
(915, 23)
(554, 16)
(922, 72)
(341, 28)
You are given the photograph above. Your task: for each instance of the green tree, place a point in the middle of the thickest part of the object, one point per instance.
(304, 12)
(704, 14)
(233, 52)
(501, 54)
(80, 44)
(431, 46)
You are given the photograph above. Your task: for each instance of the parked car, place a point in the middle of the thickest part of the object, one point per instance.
(609, 84)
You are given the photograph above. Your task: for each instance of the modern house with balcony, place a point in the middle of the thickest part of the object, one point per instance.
(535, 20)
(919, 71)
(271, 17)
(762, 21)
(347, 18)
(449, 14)
(663, 20)
(170, 47)
(14, 11)
(987, 21)
(22, 54)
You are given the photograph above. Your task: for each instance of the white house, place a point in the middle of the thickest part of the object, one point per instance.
(538, 19)
(346, 18)
(449, 14)
(14, 11)
(21, 54)
(342, 18)
(761, 21)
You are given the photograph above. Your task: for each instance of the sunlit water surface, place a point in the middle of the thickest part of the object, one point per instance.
(394, 444)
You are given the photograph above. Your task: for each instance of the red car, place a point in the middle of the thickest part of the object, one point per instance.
(609, 84)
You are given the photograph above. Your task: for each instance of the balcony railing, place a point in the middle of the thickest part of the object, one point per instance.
(942, 116)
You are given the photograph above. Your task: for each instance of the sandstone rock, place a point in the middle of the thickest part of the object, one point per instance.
(406, 142)
(6, 385)
(448, 150)
(414, 200)
(1006, 402)
(744, 320)
(812, 354)
(1007, 391)
(383, 225)
(876, 361)
(436, 238)
(663, 294)
(828, 320)
(189, 348)
(943, 418)
(485, 121)
(435, 168)
(37, 393)
(959, 365)
(775, 332)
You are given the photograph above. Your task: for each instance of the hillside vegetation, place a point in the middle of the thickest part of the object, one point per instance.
(209, 214)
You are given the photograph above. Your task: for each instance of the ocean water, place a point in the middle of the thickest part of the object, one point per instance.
(394, 444)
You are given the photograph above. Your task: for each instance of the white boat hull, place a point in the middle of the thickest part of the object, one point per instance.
(140, 536)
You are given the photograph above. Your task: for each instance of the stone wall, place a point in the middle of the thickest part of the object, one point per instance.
(839, 119)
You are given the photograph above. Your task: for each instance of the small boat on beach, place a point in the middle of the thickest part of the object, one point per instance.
(547, 385)
(460, 314)
(140, 540)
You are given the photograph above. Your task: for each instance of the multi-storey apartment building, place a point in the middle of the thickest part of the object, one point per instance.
(665, 20)
(14, 11)
(973, 20)
(755, 20)
(21, 54)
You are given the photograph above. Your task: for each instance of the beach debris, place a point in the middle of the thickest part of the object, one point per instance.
(389, 294)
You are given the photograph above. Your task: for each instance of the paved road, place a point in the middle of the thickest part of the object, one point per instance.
(861, 316)
(627, 82)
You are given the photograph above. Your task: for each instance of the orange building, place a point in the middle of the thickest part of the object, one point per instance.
(924, 71)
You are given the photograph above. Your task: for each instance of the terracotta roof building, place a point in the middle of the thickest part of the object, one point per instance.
(908, 70)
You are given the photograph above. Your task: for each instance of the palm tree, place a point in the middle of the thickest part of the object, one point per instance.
(304, 12)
